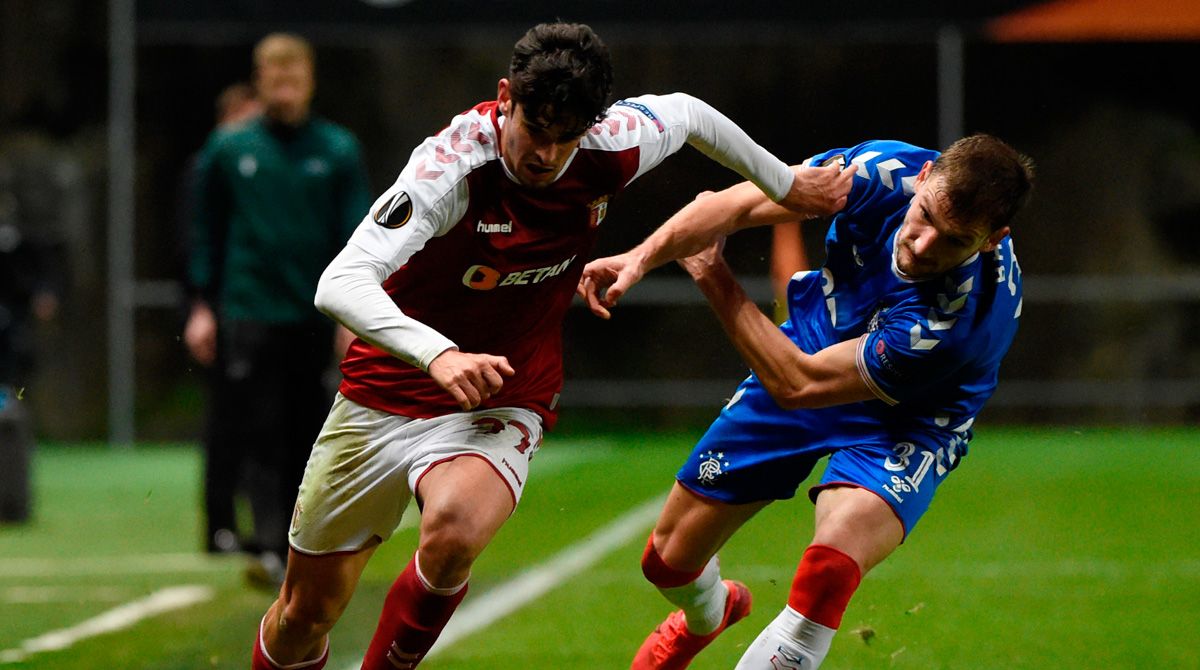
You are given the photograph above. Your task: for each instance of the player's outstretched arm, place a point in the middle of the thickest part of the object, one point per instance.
(709, 216)
(793, 378)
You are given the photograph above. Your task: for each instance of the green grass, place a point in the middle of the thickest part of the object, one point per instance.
(1049, 548)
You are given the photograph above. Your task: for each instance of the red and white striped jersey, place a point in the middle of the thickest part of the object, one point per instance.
(490, 266)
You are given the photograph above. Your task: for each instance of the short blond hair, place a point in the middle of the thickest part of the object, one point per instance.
(283, 48)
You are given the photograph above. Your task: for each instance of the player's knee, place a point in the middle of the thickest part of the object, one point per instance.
(449, 548)
(659, 572)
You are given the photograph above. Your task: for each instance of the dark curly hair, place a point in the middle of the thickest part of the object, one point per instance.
(561, 73)
(984, 180)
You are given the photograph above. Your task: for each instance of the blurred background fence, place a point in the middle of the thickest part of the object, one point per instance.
(102, 104)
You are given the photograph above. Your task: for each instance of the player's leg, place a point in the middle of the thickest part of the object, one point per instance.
(463, 503)
(222, 464)
(747, 459)
(468, 478)
(855, 530)
(352, 498)
(680, 560)
(294, 633)
(869, 499)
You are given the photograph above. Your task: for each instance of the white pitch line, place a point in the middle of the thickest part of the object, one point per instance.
(118, 618)
(535, 582)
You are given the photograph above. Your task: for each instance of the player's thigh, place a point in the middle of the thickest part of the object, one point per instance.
(692, 527)
(464, 502)
(503, 439)
(355, 487)
(754, 451)
(903, 475)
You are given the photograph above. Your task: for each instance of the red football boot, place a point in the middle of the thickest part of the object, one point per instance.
(672, 647)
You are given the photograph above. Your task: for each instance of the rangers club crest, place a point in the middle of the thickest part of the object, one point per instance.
(599, 208)
(712, 467)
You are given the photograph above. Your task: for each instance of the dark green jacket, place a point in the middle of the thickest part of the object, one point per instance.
(273, 205)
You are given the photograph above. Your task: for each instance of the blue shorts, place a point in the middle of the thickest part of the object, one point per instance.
(757, 451)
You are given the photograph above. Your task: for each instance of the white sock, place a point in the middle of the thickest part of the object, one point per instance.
(790, 642)
(702, 601)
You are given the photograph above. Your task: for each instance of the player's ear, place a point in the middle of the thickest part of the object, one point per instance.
(504, 97)
(993, 241)
(925, 170)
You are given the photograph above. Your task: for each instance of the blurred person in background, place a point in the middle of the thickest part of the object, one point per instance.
(275, 197)
(456, 283)
(223, 459)
(788, 256)
(37, 183)
(890, 352)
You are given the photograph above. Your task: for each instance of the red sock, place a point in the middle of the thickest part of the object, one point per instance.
(825, 580)
(662, 575)
(411, 621)
(260, 661)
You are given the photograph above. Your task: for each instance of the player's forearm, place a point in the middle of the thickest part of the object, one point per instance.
(350, 292)
(698, 224)
(764, 348)
(793, 378)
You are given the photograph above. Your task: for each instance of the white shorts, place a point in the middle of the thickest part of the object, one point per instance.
(366, 464)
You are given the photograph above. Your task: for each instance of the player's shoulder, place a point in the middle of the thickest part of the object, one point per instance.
(438, 168)
(338, 138)
(960, 311)
(472, 136)
(627, 123)
(884, 179)
(889, 163)
(468, 141)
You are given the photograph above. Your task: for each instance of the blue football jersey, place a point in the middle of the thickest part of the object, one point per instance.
(932, 348)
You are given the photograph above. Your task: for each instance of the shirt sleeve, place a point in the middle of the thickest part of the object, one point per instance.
(915, 349)
(423, 203)
(209, 220)
(683, 119)
(351, 291)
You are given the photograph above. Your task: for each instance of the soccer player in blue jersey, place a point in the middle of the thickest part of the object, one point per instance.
(889, 353)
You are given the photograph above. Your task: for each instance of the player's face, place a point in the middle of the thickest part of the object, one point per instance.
(534, 149)
(929, 242)
(286, 88)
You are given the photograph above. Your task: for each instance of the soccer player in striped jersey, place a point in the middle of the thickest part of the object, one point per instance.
(890, 352)
(456, 283)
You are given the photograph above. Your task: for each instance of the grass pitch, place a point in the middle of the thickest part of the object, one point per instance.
(1048, 548)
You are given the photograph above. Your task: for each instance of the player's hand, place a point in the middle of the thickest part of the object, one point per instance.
(200, 334)
(819, 191)
(605, 280)
(707, 261)
(470, 378)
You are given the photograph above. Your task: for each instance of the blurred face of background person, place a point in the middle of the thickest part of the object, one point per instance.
(283, 66)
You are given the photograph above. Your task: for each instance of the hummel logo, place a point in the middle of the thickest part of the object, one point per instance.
(482, 227)
(782, 660)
